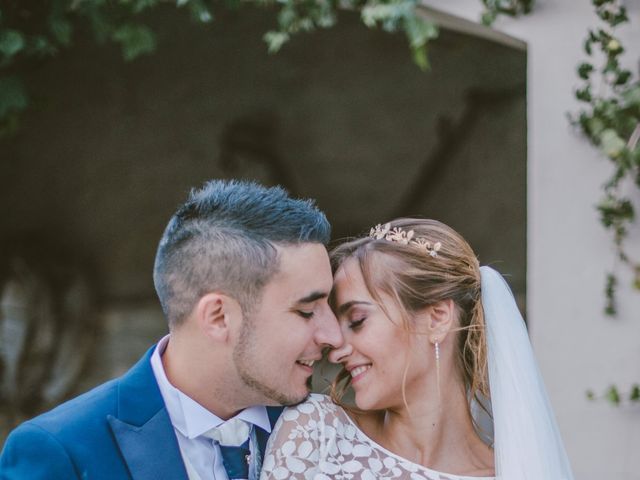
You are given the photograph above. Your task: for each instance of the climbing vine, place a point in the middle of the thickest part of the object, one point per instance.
(32, 30)
(610, 119)
(512, 8)
(614, 396)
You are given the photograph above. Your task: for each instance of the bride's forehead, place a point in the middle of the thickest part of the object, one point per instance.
(349, 281)
(366, 270)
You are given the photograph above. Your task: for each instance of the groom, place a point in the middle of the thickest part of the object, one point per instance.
(243, 278)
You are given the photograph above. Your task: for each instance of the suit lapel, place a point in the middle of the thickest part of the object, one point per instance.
(143, 429)
(148, 450)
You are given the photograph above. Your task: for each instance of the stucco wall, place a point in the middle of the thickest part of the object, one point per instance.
(568, 250)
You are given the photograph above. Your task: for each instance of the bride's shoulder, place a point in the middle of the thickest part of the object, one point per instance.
(314, 403)
(316, 407)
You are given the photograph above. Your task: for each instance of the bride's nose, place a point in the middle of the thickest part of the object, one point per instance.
(339, 355)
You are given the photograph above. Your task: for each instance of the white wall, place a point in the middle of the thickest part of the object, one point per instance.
(568, 250)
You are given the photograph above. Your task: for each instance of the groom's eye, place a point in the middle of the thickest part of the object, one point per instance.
(304, 314)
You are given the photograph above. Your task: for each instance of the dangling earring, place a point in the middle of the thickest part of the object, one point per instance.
(437, 348)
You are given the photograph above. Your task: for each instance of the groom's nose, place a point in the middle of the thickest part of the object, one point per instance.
(340, 354)
(328, 332)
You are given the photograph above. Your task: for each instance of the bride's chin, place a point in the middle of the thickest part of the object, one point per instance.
(366, 402)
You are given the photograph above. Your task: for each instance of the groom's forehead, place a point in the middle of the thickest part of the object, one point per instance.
(304, 271)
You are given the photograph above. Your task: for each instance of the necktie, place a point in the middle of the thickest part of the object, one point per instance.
(232, 438)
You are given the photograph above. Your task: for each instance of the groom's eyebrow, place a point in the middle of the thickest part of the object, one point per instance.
(312, 297)
(346, 306)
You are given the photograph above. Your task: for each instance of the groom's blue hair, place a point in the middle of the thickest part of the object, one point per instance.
(223, 239)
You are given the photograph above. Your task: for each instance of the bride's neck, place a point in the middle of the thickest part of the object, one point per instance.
(436, 431)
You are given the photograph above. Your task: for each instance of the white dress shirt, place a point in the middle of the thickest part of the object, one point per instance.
(190, 420)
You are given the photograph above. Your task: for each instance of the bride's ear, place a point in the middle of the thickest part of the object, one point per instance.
(440, 318)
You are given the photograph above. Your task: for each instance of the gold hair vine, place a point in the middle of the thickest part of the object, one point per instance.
(404, 237)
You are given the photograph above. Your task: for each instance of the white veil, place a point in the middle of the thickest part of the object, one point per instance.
(527, 441)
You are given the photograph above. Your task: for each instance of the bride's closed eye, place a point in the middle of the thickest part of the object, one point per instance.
(356, 324)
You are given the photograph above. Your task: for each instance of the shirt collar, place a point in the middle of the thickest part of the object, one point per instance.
(189, 417)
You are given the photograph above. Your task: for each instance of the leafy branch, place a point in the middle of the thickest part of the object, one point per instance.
(614, 396)
(512, 8)
(390, 15)
(610, 120)
(33, 30)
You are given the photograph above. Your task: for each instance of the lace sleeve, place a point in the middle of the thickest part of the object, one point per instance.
(296, 444)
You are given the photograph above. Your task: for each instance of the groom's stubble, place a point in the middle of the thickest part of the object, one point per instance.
(247, 363)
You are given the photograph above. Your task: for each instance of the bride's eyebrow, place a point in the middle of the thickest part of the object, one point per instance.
(346, 306)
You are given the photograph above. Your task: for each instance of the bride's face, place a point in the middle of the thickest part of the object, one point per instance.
(376, 349)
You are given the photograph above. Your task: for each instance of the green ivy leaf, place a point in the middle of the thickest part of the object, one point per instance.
(588, 46)
(287, 18)
(612, 211)
(421, 58)
(420, 31)
(584, 94)
(200, 12)
(275, 40)
(610, 295)
(11, 42)
(584, 70)
(135, 40)
(590, 395)
(388, 15)
(596, 126)
(623, 77)
(631, 96)
(327, 20)
(634, 395)
(636, 278)
(611, 144)
(61, 30)
(488, 17)
(613, 395)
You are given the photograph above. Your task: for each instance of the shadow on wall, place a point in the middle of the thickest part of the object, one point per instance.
(47, 326)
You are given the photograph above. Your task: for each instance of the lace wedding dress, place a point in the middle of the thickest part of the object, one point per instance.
(317, 440)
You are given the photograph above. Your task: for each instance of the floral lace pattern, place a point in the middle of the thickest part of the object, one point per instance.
(316, 440)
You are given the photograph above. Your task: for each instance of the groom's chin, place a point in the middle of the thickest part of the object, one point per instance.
(292, 402)
(299, 398)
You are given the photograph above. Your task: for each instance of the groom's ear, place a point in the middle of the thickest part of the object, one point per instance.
(441, 318)
(216, 313)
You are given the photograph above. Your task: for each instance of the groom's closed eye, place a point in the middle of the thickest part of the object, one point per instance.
(305, 306)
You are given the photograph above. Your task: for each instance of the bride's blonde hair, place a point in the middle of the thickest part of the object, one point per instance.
(415, 278)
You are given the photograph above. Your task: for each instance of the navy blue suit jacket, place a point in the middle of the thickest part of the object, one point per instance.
(119, 430)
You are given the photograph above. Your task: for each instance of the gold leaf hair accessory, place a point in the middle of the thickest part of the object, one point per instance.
(404, 237)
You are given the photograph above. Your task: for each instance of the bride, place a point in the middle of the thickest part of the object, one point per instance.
(436, 352)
